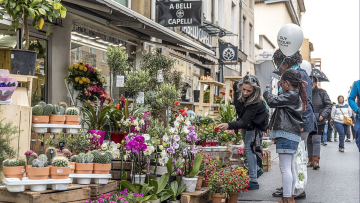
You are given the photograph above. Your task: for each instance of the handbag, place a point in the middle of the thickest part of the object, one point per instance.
(347, 120)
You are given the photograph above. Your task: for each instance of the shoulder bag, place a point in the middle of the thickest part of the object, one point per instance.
(347, 120)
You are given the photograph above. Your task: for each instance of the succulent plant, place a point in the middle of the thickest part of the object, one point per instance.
(14, 162)
(58, 110)
(63, 104)
(60, 161)
(48, 154)
(42, 109)
(73, 158)
(37, 110)
(47, 110)
(72, 111)
(31, 158)
(66, 153)
(43, 104)
(102, 158)
(85, 158)
(41, 161)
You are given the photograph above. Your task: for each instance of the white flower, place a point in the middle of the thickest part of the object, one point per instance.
(142, 122)
(163, 161)
(137, 128)
(104, 146)
(176, 145)
(152, 148)
(163, 153)
(161, 147)
(185, 129)
(180, 118)
(187, 122)
(135, 122)
(118, 145)
(146, 136)
(116, 153)
(112, 143)
(176, 138)
(111, 147)
(165, 138)
(147, 152)
(125, 157)
(176, 124)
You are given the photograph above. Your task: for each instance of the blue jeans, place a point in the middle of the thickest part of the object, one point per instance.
(251, 157)
(342, 129)
(357, 130)
(324, 135)
(285, 146)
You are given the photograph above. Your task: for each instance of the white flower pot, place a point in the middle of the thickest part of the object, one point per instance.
(155, 201)
(161, 170)
(40, 130)
(38, 188)
(71, 130)
(190, 183)
(59, 186)
(15, 188)
(137, 178)
(55, 130)
(102, 181)
(83, 181)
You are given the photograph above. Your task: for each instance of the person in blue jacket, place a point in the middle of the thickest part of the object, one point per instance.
(309, 121)
(355, 106)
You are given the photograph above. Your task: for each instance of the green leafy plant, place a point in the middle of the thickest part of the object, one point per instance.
(14, 162)
(38, 10)
(227, 113)
(207, 97)
(8, 133)
(173, 192)
(60, 161)
(170, 166)
(160, 185)
(95, 120)
(41, 161)
(196, 166)
(265, 144)
(145, 190)
(79, 142)
(137, 81)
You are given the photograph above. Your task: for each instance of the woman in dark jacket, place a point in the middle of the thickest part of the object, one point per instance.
(252, 116)
(286, 124)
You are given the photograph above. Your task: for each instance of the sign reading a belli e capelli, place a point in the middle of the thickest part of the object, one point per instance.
(174, 14)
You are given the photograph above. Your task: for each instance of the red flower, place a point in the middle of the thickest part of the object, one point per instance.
(182, 110)
(216, 129)
(122, 100)
(184, 114)
(176, 103)
(117, 106)
(217, 96)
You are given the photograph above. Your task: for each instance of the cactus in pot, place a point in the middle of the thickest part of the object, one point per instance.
(71, 158)
(60, 168)
(72, 116)
(84, 163)
(38, 171)
(102, 162)
(14, 168)
(63, 104)
(50, 154)
(58, 115)
(41, 113)
(30, 156)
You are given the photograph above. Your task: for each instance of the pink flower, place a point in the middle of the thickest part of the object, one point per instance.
(102, 195)
(108, 197)
(101, 200)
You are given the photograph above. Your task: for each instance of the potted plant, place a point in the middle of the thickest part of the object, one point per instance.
(218, 185)
(41, 113)
(79, 143)
(238, 182)
(72, 163)
(51, 152)
(39, 171)
(136, 81)
(30, 156)
(215, 140)
(207, 97)
(72, 116)
(118, 116)
(191, 179)
(14, 168)
(84, 163)
(217, 100)
(66, 153)
(102, 162)
(58, 115)
(172, 193)
(24, 61)
(265, 145)
(211, 164)
(202, 172)
(159, 187)
(60, 168)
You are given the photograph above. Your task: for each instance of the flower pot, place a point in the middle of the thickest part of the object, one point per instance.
(155, 201)
(218, 198)
(118, 137)
(204, 183)
(40, 119)
(199, 182)
(26, 167)
(138, 178)
(38, 173)
(161, 170)
(206, 144)
(59, 172)
(72, 167)
(57, 119)
(216, 108)
(72, 120)
(172, 179)
(233, 197)
(190, 183)
(99, 132)
(214, 144)
(14, 171)
(207, 101)
(84, 168)
(23, 62)
(102, 168)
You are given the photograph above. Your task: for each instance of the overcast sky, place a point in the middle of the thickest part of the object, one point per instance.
(333, 27)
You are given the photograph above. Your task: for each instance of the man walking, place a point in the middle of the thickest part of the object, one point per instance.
(355, 106)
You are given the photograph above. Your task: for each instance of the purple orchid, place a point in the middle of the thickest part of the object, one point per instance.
(140, 139)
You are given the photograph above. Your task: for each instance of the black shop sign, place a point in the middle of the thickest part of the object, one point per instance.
(174, 14)
(228, 54)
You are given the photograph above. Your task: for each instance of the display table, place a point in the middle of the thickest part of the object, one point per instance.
(201, 107)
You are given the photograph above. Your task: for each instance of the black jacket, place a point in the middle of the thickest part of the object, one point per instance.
(288, 112)
(322, 104)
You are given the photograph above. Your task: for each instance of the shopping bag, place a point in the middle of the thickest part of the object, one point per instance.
(301, 169)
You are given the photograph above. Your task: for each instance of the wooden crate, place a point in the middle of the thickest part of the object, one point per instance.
(97, 190)
(74, 194)
(224, 154)
(236, 156)
(267, 168)
(237, 162)
(117, 174)
(199, 196)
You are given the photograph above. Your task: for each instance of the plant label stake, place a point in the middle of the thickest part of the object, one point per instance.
(61, 145)
(140, 98)
(160, 77)
(51, 153)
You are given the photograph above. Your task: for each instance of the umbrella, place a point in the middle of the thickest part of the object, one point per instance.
(319, 75)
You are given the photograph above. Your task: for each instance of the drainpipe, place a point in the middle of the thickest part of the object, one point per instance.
(213, 11)
(153, 9)
(129, 3)
(241, 26)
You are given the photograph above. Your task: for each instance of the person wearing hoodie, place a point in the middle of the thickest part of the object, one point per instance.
(338, 113)
(355, 93)
(322, 106)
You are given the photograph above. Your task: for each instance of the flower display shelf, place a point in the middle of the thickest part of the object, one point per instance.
(55, 128)
(215, 149)
(74, 193)
(85, 179)
(117, 171)
(39, 147)
(201, 107)
(17, 185)
(96, 190)
(199, 196)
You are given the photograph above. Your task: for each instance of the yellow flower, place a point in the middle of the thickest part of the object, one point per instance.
(76, 66)
(81, 82)
(79, 62)
(88, 80)
(71, 67)
(77, 79)
(83, 79)
(41, 23)
(81, 68)
(85, 69)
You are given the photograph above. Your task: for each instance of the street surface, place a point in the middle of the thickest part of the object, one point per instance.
(337, 181)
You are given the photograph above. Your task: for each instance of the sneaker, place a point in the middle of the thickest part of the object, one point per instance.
(300, 196)
(347, 140)
(253, 186)
(336, 139)
(325, 143)
(259, 173)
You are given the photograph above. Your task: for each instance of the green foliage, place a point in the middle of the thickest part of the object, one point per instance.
(102, 158)
(145, 190)
(173, 192)
(79, 142)
(227, 113)
(137, 81)
(170, 167)
(157, 129)
(60, 161)
(41, 161)
(166, 94)
(265, 144)
(58, 110)
(207, 96)
(160, 185)
(14, 162)
(203, 120)
(73, 158)
(197, 164)
(96, 120)
(8, 133)
(85, 158)
(117, 60)
(51, 141)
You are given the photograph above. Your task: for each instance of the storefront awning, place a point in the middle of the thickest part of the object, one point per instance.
(213, 29)
(123, 17)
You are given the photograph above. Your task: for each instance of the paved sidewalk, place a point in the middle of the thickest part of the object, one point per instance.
(337, 181)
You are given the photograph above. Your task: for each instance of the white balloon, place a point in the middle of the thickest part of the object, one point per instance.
(290, 39)
(306, 66)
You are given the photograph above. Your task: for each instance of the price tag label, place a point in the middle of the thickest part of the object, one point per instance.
(22, 170)
(36, 119)
(160, 77)
(51, 151)
(71, 166)
(120, 81)
(59, 171)
(140, 98)
(223, 200)
(12, 56)
(61, 144)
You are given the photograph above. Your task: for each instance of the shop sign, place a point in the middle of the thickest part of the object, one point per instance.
(174, 14)
(265, 55)
(228, 54)
(199, 34)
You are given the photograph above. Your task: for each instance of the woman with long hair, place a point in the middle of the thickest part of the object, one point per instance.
(286, 124)
(252, 118)
(338, 113)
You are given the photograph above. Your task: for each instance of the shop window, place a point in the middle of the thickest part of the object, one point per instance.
(103, 56)
(122, 2)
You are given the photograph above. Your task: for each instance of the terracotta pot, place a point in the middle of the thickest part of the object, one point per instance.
(207, 102)
(38, 173)
(59, 172)
(118, 137)
(14, 171)
(102, 168)
(72, 120)
(199, 182)
(26, 167)
(204, 183)
(233, 197)
(218, 198)
(72, 167)
(40, 119)
(216, 108)
(57, 119)
(84, 168)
